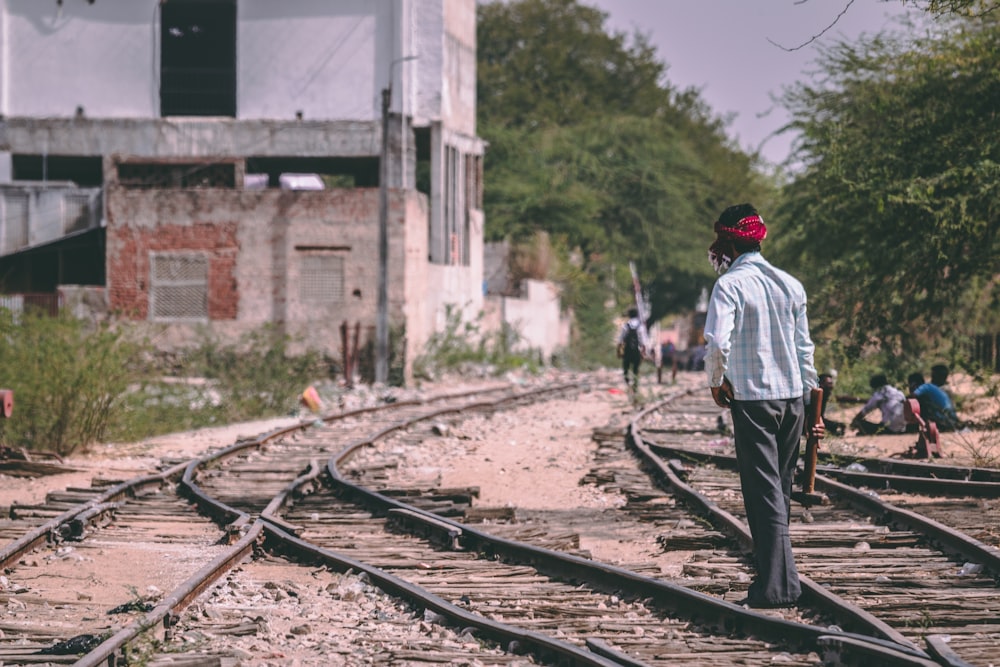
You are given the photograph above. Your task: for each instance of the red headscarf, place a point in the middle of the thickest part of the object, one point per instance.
(750, 228)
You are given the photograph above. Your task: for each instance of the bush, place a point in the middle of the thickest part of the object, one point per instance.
(257, 376)
(461, 344)
(68, 379)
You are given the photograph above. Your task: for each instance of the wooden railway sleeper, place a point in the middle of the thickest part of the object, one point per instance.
(441, 532)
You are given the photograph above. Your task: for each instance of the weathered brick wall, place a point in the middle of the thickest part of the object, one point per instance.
(128, 264)
(254, 241)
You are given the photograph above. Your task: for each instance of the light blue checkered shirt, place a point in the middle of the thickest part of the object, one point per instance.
(757, 333)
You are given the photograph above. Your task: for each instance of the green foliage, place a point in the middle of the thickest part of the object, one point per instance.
(68, 379)
(462, 344)
(220, 383)
(258, 375)
(593, 341)
(959, 7)
(893, 222)
(551, 62)
(591, 144)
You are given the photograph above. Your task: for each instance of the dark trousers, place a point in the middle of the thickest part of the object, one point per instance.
(767, 435)
(630, 362)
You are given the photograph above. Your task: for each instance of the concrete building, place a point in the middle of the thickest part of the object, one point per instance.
(217, 163)
(529, 308)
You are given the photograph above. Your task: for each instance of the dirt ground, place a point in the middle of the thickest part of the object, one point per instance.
(524, 449)
(533, 460)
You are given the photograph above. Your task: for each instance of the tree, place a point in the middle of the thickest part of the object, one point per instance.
(894, 219)
(589, 143)
(954, 7)
(552, 63)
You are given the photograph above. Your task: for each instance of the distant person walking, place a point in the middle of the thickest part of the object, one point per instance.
(759, 362)
(631, 343)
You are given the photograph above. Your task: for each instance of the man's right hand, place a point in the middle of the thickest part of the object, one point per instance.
(723, 394)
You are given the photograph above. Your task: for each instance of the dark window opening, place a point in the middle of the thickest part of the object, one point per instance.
(198, 58)
(422, 135)
(344, 172)
(75, 261)
(86, 172)
(177, 175)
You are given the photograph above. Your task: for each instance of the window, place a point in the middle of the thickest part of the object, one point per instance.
(178, 287)
(321, 279)
(198, 58)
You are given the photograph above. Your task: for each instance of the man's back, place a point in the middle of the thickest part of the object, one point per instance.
(936, 406)
(756, 326)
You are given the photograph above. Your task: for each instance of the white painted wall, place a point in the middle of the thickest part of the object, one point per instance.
(52, 52)
(537, 317)
(328, 60)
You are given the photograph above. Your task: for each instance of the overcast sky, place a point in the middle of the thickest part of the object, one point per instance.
(721, 47)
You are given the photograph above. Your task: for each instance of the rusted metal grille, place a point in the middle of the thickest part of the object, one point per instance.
(321, 279)
(179, 287)
(46, 304)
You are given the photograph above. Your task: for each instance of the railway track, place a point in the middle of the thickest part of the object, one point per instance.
(332, 543)
(923, 562)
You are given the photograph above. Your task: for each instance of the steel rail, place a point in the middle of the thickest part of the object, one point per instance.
(671, 474)
(271, 531)
(515, 640)
(849, 615)
(235, 521)
(927, 485)
(938, 651)
(72, 522)
(728, 616)
(165, 611)
(954, 481)
(706, 610)
(954, 542)
(950, 540)
(915, 468)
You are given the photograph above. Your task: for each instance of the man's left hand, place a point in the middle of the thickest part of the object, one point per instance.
(818, 430)
(723, 394)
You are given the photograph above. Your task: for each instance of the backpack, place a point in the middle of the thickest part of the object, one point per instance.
(631, 338)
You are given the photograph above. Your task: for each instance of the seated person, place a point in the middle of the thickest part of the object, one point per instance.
(826, 383)
(889, 401)
(939, 377)
(935, 405)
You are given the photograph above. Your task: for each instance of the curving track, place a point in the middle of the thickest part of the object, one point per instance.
(321, 544)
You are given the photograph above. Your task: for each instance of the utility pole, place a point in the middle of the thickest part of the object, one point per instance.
(382, 315)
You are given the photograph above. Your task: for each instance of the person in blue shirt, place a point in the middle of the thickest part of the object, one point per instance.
(759, 362)
(935, 405)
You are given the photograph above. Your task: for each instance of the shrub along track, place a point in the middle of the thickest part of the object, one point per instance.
(548, 600)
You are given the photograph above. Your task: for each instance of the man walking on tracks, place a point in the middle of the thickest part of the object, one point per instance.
(759, 362)
(631, 343)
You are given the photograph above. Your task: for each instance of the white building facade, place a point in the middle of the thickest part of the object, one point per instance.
(163, 136)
